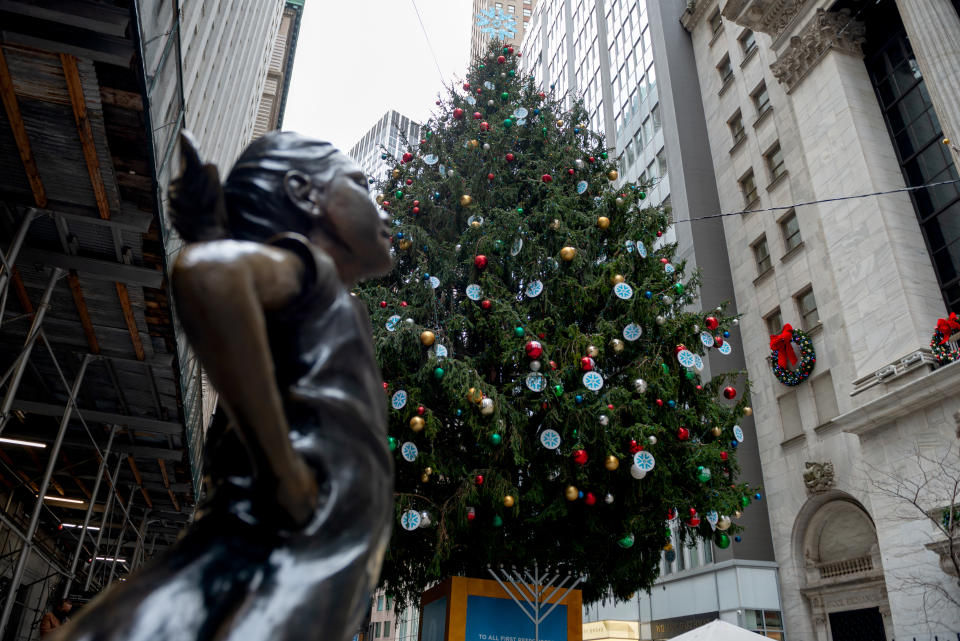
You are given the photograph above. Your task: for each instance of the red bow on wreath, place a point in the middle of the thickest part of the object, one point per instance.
(947, 326)
(780, 343)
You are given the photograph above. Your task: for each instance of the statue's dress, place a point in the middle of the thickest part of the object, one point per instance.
(240, 573)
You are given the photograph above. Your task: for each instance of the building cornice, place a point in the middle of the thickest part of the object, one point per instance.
(827, 31)
(696, 9)
(765, 16)
(918, 393)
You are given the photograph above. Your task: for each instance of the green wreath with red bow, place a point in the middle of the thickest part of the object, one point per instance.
(940, 343)
(782, 357)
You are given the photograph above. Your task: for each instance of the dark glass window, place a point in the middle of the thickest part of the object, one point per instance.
(917, 138)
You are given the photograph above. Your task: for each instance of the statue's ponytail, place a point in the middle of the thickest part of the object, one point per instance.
(198, 208)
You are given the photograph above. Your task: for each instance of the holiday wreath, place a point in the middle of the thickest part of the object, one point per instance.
(782, 356)
(945, 351)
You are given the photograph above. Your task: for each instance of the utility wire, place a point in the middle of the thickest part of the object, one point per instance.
(818, 202)
(427, 38)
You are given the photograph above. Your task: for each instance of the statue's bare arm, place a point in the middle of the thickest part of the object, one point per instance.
(223, 289)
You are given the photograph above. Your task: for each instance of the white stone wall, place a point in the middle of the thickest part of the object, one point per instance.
(876, 293)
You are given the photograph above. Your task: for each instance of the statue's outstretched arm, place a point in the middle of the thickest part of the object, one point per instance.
(222, 289)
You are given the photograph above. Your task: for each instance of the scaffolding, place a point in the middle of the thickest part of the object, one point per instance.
(104, 409)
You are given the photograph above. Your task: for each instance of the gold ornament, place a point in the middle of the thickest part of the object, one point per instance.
(668, 547)
(427, 337)
(428, 471)
(603, 222)
(475, 224)
(508, 501)
(559, 123)
(424, 478)
(716, 431)
(473, 144)
(592, 351)
(748, 411)
(416, 423)
(567, 253)
(379, 199)
(612, 174)
(737, 514)
(396, 173)
(617, 345)
(404, 244)
(555, 224)
(572, 493)
(475, 395)
(616, 279)
(611, 463)
(466, 200)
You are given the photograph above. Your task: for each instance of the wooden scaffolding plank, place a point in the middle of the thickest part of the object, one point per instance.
(15, 119)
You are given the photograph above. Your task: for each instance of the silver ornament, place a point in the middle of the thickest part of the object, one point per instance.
(458, 246)
(719, 309)
(661, 320)
(636, 472)
(723, 523)
(696, 329)
(592, 351)
(652, 440)
(619, 201)
(579, 163)
(667, 300)
(486, 146)
(604, 420)
(409, 321)
(490, 103)
(608, 499)
(553, 475)
(425, 520)
(535, 366)
(735, 322)
(486, 406)
(640, 385)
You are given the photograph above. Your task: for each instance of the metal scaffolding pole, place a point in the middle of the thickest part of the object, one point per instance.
(7, 261)
(44, 484)
(21, 364)
(86, 518)
(103, 522)
(123, 530)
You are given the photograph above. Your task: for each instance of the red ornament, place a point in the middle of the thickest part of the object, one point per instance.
(421, 410)
(609, 406)
(570, 171)
(671, 514)
(542, 95)
(423, 141)
(664, 261)
(553, 364)
(386, 204)
(693, 511)
(541, 335)
(477, 115)
(416, 203)
(586, 363)
(683, 433)
(478, 479)
(484, 126)
(480, 261)
(534, 349)
(479, 89)
(471, 514)
(409, 181)
(591, 159)
(712, 323)
(509, 49)
(383, 303)
(416, 210)
(590, 499)
(546, 178)
(501, 59)
(385, 386)
(486, 304)
(718, 340)
(407, 157)
(580, 457)
(466, 86)
(635, 447)
(679, 348)
(403, 303)
(729, 393)
(437, 103)
(458, 113)
(510, 157)
(544, 405)
(489, 176)
(724, 456)
(659, 402)
(699, 388)
(693, 521)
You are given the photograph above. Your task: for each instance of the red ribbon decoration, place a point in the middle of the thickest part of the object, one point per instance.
(947, 326)
(780, 343)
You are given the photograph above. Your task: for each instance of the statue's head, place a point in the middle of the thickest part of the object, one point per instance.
(285, 182)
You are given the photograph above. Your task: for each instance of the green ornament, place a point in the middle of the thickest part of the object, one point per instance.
(664, 368)
(482, 67)
(511, 73)
(498, 246)
(690, 375)
(506, 50)
(507, 123)
(429, 134)
(498, 522)
(722, 541)
(744, 501)
(504, 95)
(399, 194)
(642, 195)
(519, 210)
(678, 288)
(438, 373)
(575, 431)
(558, 390)
(604, 155)
(518, 331)
(627, 542)
(392, 442)
(703, 474)
(544, 131)
(495, 438)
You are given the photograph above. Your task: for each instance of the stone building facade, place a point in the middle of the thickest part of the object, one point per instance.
(807, 100)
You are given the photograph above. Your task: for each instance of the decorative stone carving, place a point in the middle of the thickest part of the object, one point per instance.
(766, 16)
(818, 477)
(827, 31)
(696, 10)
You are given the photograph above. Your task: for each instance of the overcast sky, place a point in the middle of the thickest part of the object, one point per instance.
(356, 59)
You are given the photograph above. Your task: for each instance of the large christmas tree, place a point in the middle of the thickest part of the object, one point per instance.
(538, 355)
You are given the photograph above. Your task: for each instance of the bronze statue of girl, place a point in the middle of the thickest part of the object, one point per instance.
(289, 541)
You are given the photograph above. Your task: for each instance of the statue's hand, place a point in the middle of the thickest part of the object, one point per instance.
(297, 492)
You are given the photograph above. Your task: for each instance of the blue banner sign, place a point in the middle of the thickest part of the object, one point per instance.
(492, 619)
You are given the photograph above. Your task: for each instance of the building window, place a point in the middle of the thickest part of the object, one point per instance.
(768, 623)
(790, 229)
(389, 603)
(716, 22)
(825, 397)
(761, 255)
(774, 160)
(376, 630)
(748, 43)
(662, 162)
(380, 603)
(655, 115)
(725, 69)
(526, 13)
(761, 101)
(807, 305)
(790, 415)
(736, 128)
(511, 8)
(774, 321)
(386, 629)
(748, 187)
(499, 6)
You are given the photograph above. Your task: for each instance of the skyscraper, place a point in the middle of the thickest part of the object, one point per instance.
(505, 19)
(390, 134)
(632, 64)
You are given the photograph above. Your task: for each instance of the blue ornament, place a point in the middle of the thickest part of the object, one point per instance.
(424, 248)
(370, 180)
(459, 412)
(737, 538)
(576, 130)
(399, 234)
(536, 112)
(436, 195)
(648, 294)
(426, 277)
(580, 494)
(383, 156)
(734, 444)
(757, 496)
(671, 404)
(552, 87)
(726, 334)
(578, 398)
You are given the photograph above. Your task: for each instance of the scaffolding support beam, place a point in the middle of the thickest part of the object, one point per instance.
(38, 507)
(10, 258)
